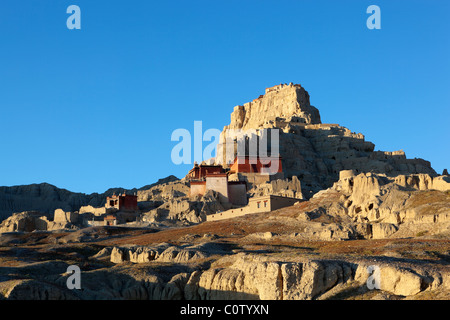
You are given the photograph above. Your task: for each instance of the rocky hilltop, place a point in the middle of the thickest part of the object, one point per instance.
(289, 102)
(311, 150)
(312, 154)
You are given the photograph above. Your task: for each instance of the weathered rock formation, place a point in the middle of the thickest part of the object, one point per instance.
(164, 191)
(256, 277)
(383, 206)
(163, 252)
(187, 209)
(60, 216)
(29, 221)
(238, 276)
(312, 151)
(363, 206)
(46, 198)
(280, 187)
(280, 102)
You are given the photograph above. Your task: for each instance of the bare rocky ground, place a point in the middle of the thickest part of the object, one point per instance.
(300, 252)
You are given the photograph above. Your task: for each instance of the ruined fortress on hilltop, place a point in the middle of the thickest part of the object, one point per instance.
(313, 151)
(306, 157)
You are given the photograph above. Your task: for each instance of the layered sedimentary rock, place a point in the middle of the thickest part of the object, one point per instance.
(46, 198)
(280, 187)
(282, 102)
(312, 151)
(163, 252)
(187, 209)
(376, 206)
(241, 276)
(373, 196)
(29, 221)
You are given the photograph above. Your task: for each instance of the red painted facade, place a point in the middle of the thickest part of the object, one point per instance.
(199, 172)
(124, 202)
(247, 164)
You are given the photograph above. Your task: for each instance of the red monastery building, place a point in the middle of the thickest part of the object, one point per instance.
(214, 177)
(123, 202)
(199, 172)
(256, 164)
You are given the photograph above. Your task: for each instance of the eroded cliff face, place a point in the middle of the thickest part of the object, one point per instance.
(312, 151)
(289, 102)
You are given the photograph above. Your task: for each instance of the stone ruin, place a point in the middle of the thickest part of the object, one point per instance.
(312, 151)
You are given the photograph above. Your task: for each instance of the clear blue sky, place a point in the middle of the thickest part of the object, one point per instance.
(94, 108)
